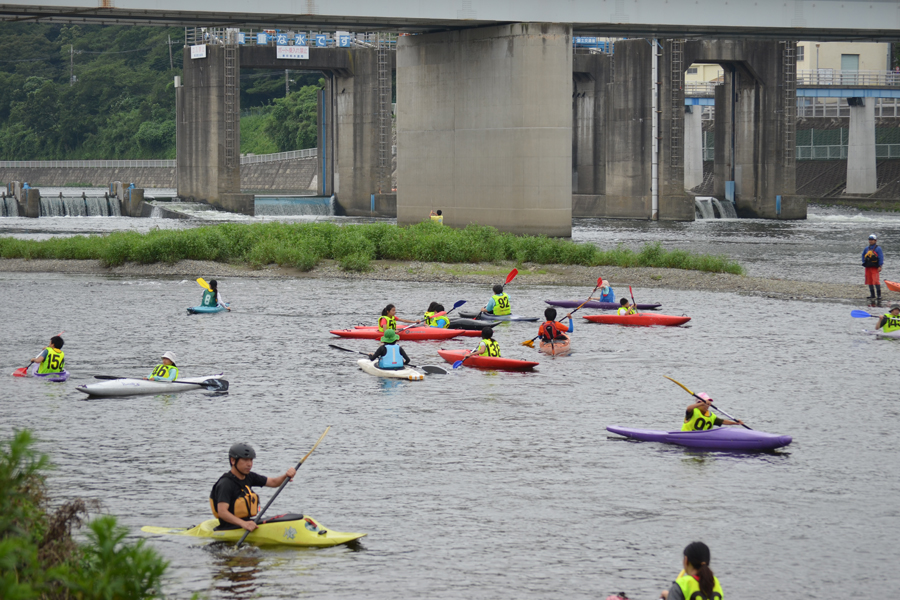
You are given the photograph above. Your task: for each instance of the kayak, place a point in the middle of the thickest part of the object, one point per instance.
(719, 438)
(199, 310)
(483, 316)
(474, 324)
(459, 332)
(557, 348)
(596, 304)
(283, 530)
(54, 377)
(878, 333)
(142, 387)
(487, 362)
(405, 373)
(640, 319)
(412, 334)
(892, 285)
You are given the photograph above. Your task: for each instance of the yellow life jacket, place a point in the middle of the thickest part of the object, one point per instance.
(54, 362)
(439, 219)
(891, 323)
(162, 371)
(699, 421)
(501, 304)
(690, 588)
(491, 348)
(432, 321)
(386, 323)
(626, 310)
(245, 507)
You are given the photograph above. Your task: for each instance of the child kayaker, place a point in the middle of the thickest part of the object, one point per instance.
(626, 308)
(167, 371)
(433, 318)
(551, 329)
(488, 346)
(389, 318)
(606, 293)
(389, 355)
(52, 359)
(211, 297)
(696, 579)
(891, 320)
(499, 302)
(437, 217)
(697, 416)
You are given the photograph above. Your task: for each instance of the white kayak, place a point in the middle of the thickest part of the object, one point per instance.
(143, 387)
(405, 373)
(891, 334)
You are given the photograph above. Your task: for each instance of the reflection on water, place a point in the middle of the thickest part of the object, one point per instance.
(236, 570)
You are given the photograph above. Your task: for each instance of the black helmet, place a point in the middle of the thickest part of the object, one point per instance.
(241, 450)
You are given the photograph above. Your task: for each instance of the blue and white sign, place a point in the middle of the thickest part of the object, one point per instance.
(281, 39)
(242, 38)
(262, 39)
(321, 40)
(344, 41)
(585, 40)
(198, 51)
(292, 52)
(300, 39)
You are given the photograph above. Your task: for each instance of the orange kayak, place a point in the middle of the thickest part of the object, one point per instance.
(487, 362)
(892, 285)
(639, 319)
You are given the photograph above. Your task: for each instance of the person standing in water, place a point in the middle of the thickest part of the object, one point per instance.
(211, 297)
(696, 580)
(872, 261)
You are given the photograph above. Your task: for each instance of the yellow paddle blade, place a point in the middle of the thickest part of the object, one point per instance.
(163, 530)
(529, 343)
(202, 283)
(679, 383)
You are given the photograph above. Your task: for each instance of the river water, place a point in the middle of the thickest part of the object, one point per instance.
(485, 484)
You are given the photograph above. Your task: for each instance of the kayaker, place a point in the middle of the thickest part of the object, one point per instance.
(697, 416)
(891, 320)
(606, 293)
(696, 579)
(499, 302)
(440, 320)
(626, 308)
(389, 318)
(167, 371)
(552, 329)
(488, 346)
(437, 217)
(390, 355)
(52, 359)
(232, 501)
(211, 297)
(872, 260)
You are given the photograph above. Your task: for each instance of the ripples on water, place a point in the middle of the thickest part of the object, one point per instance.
(475, 484)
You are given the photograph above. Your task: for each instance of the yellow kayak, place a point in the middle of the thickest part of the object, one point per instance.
(285, 530)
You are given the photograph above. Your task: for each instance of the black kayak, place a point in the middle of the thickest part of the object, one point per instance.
(469, 324)
(490, 318)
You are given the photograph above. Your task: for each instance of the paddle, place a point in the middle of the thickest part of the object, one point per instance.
(634, 304)
(456, 305)
(699, 398)
(281, 487)
(861, 314)
(530, 343)
(23, 371)
(459, 363)
(213, 385)
(430, 370)
(202, 283)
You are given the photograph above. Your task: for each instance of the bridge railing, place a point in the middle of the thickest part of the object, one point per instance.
(831, 77)
(136, 164)
(274, 37)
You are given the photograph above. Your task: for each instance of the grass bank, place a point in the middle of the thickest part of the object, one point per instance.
(303, 245)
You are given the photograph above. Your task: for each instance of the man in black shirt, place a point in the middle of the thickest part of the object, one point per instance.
(231, 499)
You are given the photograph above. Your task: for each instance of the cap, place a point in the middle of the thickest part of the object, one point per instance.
(893, 306)
(171, 356)
(704, 396)
(873, 237)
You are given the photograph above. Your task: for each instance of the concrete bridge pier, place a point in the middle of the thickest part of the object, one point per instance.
(862, 177)
(693, 146)
(484, 127)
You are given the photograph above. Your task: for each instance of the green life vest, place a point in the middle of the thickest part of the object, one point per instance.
(626, 310)
(699, 422)
(162, 372)
(891, 323)
(491, 348)
(501, 304)
(54, 362)
(386, 323)
(690, 588)
(432, 321)
(209, 299)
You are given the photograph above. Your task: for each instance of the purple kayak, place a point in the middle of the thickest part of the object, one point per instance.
(54, 377)
(735, 439)
(595, 304)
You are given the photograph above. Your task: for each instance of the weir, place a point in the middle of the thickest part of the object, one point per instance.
(80, 206)
(709, 207)
(293, 206)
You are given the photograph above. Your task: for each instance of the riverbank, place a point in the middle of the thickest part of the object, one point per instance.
(481, 273)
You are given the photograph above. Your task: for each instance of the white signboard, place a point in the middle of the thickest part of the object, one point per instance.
(198, 51)
(295, 52)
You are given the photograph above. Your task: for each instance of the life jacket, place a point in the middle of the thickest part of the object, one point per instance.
(548, 331)
(491, 348)
(626, 310)
(439, 219)
(870, 258)
(386, 323)
(244, 507)
(891, 323)
(392, 358)
(210, 299)
(690, 588)
(501, 304)
(162, 371)
(609, 296)
(432, 321)
(699, 421)
(54, 362)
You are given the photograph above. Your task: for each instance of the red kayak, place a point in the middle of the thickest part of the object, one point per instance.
(639, 319)
(892, 285)
(487, 362)
(460, 332)
(412, 334)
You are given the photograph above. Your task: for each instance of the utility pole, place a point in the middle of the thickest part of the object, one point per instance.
(71, 64)
(287, 85)
(171, 63)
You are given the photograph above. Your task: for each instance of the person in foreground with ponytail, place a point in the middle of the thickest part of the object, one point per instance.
(696, 580)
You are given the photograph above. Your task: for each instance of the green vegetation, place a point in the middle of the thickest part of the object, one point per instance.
(38, 557)
(303, 245)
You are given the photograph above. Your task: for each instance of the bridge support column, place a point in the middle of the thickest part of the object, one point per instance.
(861, 174)
(485, 127)
(693, 147)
